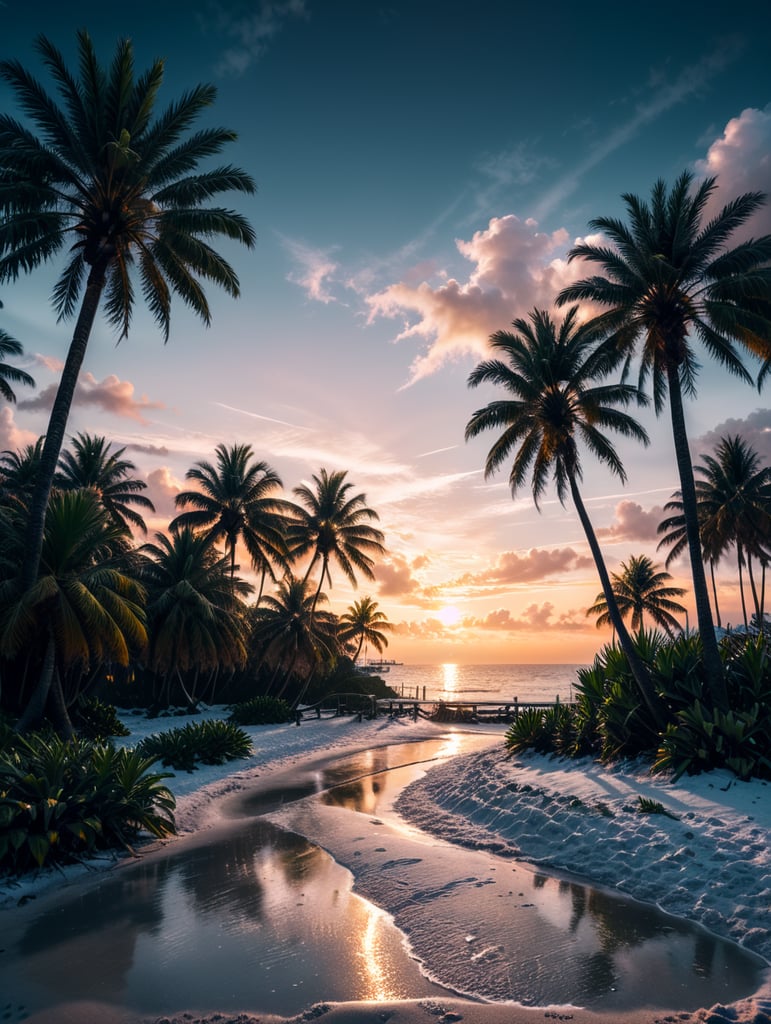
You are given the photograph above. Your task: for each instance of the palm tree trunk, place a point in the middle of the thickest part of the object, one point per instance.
(36, 705)
(57, 423)
(714, 592)
(638, 669)
(713, 666)
(740, 561)
(753, 588)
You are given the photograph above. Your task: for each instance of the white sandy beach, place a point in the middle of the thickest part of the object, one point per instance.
(709, 862)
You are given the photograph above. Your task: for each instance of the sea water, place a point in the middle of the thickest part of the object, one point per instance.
(528, 683)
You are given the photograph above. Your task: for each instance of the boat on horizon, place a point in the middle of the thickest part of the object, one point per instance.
(379, 667)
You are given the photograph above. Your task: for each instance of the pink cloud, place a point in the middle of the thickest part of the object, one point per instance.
(755, 429)
(538, 564)
(515, 267)
(633, 522)
(741, 161)
(13, 437)
(535, 617)
(111, 394)
(162, 489)
(395, 579)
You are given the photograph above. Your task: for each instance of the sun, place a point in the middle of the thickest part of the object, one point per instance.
(449, 615)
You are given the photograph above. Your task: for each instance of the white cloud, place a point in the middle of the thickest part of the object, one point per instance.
(316, 269)
(253, 32)
(13, 437)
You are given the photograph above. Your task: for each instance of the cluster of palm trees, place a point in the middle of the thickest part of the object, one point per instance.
(175, 610)
(665, 280)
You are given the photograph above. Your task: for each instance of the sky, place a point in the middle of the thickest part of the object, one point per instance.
(423, 169)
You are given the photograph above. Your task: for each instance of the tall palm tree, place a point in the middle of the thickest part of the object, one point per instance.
(235, 501)
(667, 279)
(296, 635)
(556, 401)
(81, 612)
(641, 588)
(194, 611)
(11, 374)
(92, 462)
(675, 537)
(363, 622)
(19, 471)
(124, 194)
(330, 524)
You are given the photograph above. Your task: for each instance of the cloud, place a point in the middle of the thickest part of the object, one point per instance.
(148, 449)
(741, 161)
(755, 429)
(162, 489)
(538, 564)
(316, 269)
(13, 437)
(633, 523)
(111, 394)
(49, 362)
(395, 577)
(535, 617)
(253, 32)
(514, 268)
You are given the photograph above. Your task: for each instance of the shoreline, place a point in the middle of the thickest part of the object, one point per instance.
(709, 799)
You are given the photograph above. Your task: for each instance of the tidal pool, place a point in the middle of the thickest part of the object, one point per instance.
(255, 917)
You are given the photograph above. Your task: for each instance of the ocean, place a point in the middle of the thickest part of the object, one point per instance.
(483, 682)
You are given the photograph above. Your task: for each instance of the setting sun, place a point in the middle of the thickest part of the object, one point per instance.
(449, 615)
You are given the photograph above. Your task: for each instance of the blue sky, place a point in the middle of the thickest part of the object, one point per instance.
(422, 169)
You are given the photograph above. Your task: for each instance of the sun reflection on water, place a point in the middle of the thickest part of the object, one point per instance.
(449, 679)
(374, 958)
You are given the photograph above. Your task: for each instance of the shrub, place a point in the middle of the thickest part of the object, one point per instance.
(647, 806)
(96, 720)
(209, 742)
(262, 711)
(61, 800)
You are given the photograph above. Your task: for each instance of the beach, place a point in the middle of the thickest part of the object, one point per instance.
(706, 860)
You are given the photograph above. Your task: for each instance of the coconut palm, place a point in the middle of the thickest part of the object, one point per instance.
(19, 471)
(235, 501)
(674, 537)
(194, 611)
(642, 588)
(92, 462)
(668, 279)
(362, 623)
(552, 375)
(82, 612)
(123, 193)
(296, 635)
(11, 374)
(330, 525)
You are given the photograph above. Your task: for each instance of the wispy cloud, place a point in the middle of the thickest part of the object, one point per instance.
(253, 31)
(111, 395)
(316, 269)
(259, 416)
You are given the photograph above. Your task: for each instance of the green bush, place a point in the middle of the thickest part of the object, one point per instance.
(96, 720)
(262, 711)
(61, 800)
(209, 742)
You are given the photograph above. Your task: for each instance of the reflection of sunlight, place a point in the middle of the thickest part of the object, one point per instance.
(453, 742)
(374, 958)
(449, 677)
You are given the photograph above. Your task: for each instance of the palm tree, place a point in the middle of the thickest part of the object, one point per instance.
(194, 611)
(331, 525)
(91, 463)
(11, 374)
(82, 611)
(235, 502)
(666, 279)
(641, 589)
(551, 375)
(19, 471)
(123, 192)
(674, 537)
(365, 623)
(295, 634)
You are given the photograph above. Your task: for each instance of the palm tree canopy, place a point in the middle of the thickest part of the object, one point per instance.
(11, 374)
(92, 463)
(116, 186)
(363, 622)
(332, 525)
(668, 277)
(19, 470)
(640, 588)
(235, 500)
(551, 374)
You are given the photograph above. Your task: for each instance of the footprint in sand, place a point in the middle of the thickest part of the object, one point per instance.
(403, 862)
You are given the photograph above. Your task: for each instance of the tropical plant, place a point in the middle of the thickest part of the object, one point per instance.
(639, 590)
(82, 612)
(665, 278)
(11, 374)
(124, 194)
(296, 636)
(331, 525)
(18, 472)
(552, 375)
(92, 462)
(194, 612)
(209, 742)
(235, 501)
(261, 711)
(363, 623)
(96, 720)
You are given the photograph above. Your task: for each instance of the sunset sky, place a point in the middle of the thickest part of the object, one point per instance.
(423, 169)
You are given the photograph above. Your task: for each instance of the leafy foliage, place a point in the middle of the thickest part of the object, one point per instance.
(62, 800)
(184, 748)
(261, 711)
(97, 720)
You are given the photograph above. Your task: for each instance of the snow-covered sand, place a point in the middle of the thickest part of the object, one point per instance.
(710, 862)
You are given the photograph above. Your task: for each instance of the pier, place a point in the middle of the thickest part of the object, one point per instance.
(468, 711)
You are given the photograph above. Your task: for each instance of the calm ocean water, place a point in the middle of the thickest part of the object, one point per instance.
(484, 682)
